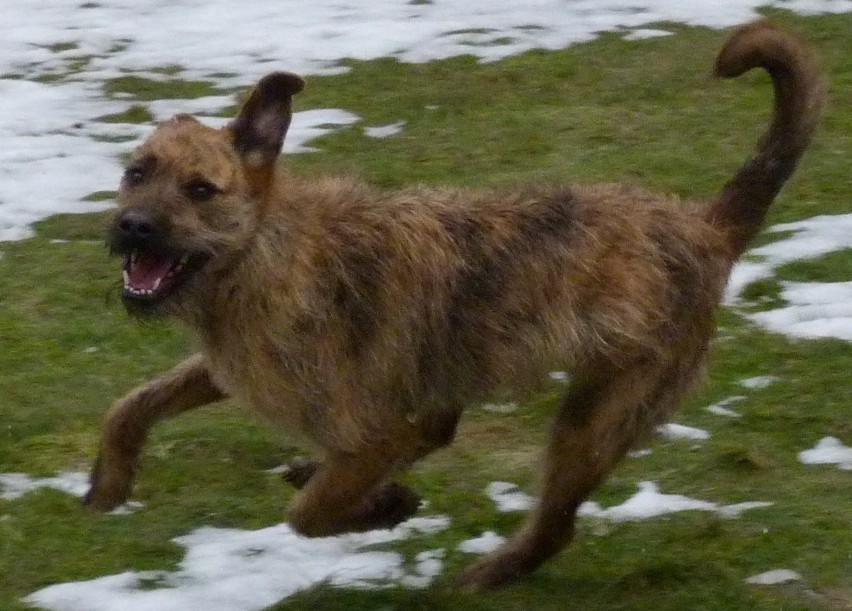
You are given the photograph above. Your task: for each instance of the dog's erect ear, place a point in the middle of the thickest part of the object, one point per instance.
(258, 131)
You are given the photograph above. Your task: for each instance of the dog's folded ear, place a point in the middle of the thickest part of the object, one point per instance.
(258, 131)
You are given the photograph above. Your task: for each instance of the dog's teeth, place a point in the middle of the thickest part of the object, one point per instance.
(156, 284)
(126, 279)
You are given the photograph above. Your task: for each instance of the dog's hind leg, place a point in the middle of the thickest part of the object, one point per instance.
(599, 420)
(127, 423)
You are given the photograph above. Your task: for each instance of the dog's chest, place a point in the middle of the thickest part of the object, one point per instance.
(257, 372)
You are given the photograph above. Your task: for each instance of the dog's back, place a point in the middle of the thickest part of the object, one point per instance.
(434, 298)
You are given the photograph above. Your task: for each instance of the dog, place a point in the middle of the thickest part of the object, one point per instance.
(366, 320)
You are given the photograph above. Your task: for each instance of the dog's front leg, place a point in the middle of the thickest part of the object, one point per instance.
(127, 423)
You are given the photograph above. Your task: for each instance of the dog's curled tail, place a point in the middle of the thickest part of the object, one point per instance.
(741, 206)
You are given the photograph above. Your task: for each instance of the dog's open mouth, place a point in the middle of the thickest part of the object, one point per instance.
(149, 277)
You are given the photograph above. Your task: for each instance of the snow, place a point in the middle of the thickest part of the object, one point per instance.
(429, 565)
(384, 131)
(241, 570)
(642, 34)
(56, 57)
(483, 544)
(774, 577)
(721, 407)
(649, 502)
(15, 485)
(501, 408)
(248, 570)
(828, 451)
(758, 382)
(673, 431)
(559, 376)
(508, 497)
(815, 309)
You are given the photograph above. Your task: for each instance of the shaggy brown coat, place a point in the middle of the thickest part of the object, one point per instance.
(366, 321)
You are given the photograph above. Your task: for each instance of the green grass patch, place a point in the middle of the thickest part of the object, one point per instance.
(135, 114)
(833, 267)
(644, 111)
(146, 90)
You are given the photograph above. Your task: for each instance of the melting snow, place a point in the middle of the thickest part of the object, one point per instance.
(771, 578)
(508, 497)
(16, 485)
(429, 565)
(828, 451)
(501, 408)
(239, 570)
(674, 431)
(642, 34)
(721, 409)
(815, 309)
(384, 131)
(650, 503)
(483, 544)
(758, 382)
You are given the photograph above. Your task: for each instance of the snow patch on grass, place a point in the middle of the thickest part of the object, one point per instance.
(384, 131)
(721, 407)
(673, 431)
(240, 570)
(758, 382)
(828, 451)
(483, 544)
(649, 502)
(508, 497)
(501, 408)
(774, 577)
(815, 309)
(15, 485)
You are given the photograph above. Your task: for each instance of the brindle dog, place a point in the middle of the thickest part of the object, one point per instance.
(367, 320)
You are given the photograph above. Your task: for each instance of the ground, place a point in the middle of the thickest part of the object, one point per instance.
(642, 110)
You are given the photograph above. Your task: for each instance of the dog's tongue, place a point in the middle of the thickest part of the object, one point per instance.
(146, 270)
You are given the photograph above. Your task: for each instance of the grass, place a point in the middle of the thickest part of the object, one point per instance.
(644, 111)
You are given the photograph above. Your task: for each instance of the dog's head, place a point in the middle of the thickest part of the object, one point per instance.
(192, 196)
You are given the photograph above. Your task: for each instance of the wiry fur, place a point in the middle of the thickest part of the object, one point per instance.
(367, 320)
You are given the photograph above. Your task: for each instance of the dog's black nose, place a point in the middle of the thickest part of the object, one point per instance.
(136, 225)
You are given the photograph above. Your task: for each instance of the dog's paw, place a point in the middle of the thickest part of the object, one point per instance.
(100, 500)
(498, 568)
(109, 489)
(391, 504)
(299, 471)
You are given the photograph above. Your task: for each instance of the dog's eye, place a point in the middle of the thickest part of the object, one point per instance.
(134, 175)
(201, 190)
